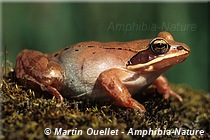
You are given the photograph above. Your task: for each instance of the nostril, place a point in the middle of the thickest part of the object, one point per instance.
(180, 47)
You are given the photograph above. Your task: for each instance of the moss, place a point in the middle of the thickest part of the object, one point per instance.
(25, 115)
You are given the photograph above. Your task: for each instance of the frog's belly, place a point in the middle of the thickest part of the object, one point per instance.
(82, 71)
(77, 85)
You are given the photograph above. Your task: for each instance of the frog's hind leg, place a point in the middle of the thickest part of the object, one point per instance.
(110, 81)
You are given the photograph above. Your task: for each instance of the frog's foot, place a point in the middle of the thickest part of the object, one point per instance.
(52, 91)
(163, 87)
(55, 92)
(117, 90)
(34, 84)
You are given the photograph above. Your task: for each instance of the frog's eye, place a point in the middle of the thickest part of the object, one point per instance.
(159, 46)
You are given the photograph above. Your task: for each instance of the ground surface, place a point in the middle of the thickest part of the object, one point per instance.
(25, 115)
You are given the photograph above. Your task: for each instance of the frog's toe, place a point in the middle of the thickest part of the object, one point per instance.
(169, 93)
(172, 93)
(131, 103)
(55, 92)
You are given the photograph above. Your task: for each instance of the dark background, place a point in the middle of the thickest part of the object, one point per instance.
(48, 27)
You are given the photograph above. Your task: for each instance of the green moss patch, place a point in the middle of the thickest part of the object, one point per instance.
(27, 116)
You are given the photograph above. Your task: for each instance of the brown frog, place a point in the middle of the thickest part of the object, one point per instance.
(104, 71)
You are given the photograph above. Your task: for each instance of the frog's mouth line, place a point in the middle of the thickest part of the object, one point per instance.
(160, 62)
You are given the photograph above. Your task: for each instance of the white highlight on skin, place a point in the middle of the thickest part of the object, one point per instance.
(52, 73)
(56, 74)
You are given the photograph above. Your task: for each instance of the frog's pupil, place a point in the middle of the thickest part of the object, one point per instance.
(160, 48)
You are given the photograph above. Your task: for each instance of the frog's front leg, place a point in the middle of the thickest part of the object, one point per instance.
(110, 80)
(164, 88)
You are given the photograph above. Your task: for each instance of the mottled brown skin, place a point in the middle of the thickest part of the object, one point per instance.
(105, 71)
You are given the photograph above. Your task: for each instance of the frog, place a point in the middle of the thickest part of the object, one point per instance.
(105, 71)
